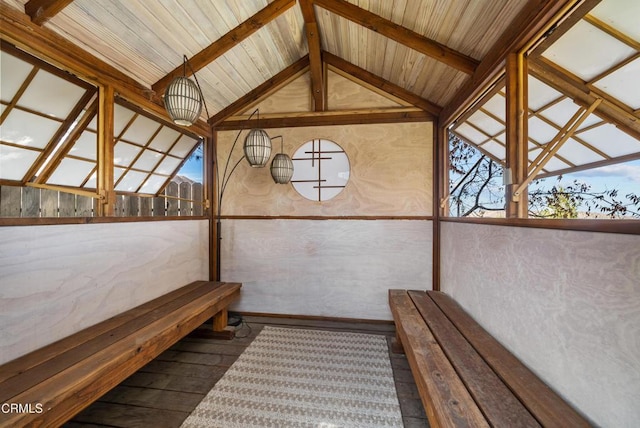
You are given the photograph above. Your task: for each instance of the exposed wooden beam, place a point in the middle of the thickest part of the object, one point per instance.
(381, 83)
(535, 19)
(268, 87)
(400, 34)
(625, 119)
(17, 29)
(105, 181)
(562, 26)
(41, 11)
(331, 118)
(315, 59)
(517, 204)
(226, 42)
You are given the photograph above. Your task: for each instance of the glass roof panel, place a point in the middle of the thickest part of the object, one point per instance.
(183, 146)
(85, 146)
(621, 15)
(561, 112)
(610, 140)
(540, 94)
(554, 164)
(15, 162)
(148, 160)
(168, 165)
(91, 182)
(623, 83)
(27, 129)
(486, 123)
(141, 130)
(121, 117)
(71, 172)
(131, 181)
(51, 95)
(93, 125)
(496, 149)
(125, 153)
(587, 51)
(496, 105)
(165, 139)
(14, 72)
(540, 131)
(577, 153)
(471, 134)
(153, 184)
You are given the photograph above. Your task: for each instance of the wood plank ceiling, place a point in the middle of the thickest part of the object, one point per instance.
(427, 48)
(431, 54)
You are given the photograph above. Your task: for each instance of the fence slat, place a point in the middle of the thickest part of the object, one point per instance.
(84, 206)
(66, 205)
(49, 203)
(10, 201)
(185, 193)
(30, 202)
(146, 207)
(132, 206)
(196, 192)
(159, 207)
(172, 204)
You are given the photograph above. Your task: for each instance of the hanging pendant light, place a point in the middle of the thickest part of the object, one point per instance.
(183, 99)
(281, 165)
(257, 146)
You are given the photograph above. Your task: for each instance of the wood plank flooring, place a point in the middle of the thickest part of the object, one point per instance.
(165, 391)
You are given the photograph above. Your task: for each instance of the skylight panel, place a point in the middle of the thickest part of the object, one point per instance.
(153, 184)
(148, 160)
(71, 172)
(15, 162)
(125, 153)
(27, 129)
(540, 94)
(624, 83)
(121, 118)
(14, 73)
(610, 140)
(587, 51)
(168, 165)
(141, 130)
(183, 146)
(495, 148)
(496, 105)
(486, 123)
(577, 153)
(164, 139)
(51, 95)
(540, 131)
(621, 15)
(131, 181)
(471, 134)
(85, 146)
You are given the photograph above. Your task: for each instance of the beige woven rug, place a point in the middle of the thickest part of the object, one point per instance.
(304, 378)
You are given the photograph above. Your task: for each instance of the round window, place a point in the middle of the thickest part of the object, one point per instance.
(321, 170)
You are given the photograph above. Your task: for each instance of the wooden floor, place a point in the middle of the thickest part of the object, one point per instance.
(165, 391)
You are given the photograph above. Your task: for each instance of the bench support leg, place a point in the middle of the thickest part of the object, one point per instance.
(219, 331)
(396, 345)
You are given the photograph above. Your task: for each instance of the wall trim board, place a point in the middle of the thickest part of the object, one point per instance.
(285, 217)
(316, 318)
(48, 221)
(629, 227)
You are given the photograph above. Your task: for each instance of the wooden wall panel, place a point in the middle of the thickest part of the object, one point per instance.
(344, 94)
(57, 280)
(294, 97)
(391, 173)
(567, 303)
(334, 268)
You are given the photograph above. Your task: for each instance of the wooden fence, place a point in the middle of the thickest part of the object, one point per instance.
(34, 202)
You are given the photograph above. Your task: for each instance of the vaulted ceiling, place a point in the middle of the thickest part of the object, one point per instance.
(432, 54)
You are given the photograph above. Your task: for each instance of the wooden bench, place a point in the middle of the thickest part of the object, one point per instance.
(55, 382)
(465, 376)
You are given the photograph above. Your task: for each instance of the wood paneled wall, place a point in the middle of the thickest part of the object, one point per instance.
(391, 173)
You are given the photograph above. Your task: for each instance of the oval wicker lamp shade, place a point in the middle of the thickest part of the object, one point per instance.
(281, 168)
(183, 101)
(257, 148)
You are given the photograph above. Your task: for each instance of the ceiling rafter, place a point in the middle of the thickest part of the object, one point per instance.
(41, 11)
(318, 86)
(262, 91)
(226, 42)
(381, 83)
(400, 34)
(17, 28)
(535, 18)
(623, 118)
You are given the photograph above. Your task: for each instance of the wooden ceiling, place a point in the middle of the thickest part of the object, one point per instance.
(437, 55)
(424, 50)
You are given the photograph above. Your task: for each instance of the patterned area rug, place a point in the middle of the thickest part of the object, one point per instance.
(304, 378)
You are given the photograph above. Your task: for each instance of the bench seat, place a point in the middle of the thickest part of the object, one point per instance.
(60, 379)
(464, 375)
